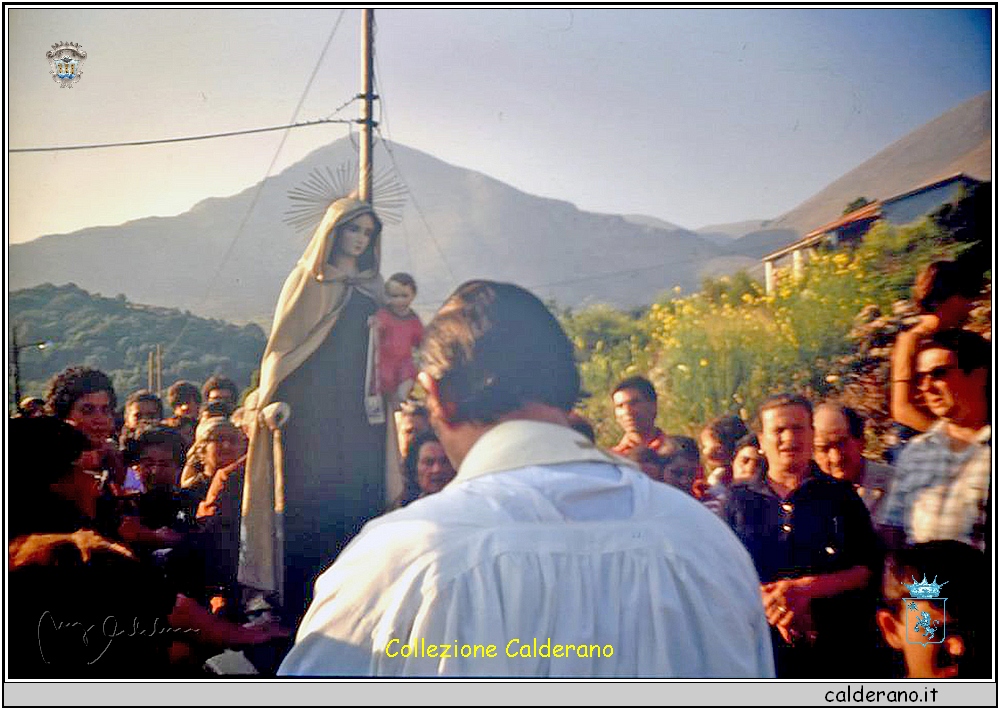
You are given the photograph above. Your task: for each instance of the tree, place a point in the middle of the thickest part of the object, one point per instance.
(967, 220)
(856, 204)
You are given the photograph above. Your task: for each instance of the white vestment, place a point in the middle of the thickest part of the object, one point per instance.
(540, 540)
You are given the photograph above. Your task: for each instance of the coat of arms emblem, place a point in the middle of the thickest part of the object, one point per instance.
(924, 629)
(66, 62)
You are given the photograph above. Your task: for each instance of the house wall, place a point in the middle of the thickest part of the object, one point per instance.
(908, 209)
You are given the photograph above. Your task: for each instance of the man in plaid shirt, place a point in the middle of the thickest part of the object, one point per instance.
(941, 490)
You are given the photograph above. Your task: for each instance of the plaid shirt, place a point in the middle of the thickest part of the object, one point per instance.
(940, 494)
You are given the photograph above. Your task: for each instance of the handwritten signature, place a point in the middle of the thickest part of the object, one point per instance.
(109, 631)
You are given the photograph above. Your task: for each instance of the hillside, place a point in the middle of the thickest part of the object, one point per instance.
(958, 141)
(459, 224)
(115, 335)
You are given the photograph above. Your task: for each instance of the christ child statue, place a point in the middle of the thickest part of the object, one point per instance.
(399, 331)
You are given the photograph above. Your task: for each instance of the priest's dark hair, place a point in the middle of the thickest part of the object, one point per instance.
(495, 347)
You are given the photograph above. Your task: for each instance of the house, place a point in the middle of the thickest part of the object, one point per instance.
(849, 229)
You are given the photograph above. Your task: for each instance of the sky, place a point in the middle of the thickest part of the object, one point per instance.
(694, 116)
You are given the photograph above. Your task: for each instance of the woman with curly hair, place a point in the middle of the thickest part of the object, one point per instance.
(85, 398)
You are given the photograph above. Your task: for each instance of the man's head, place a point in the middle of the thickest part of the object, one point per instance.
(635, 405)
(681, 465)
(784, 427)
(184, 399)
(494, 351)
(648, 460)
(142, 406)
(86, 398)
(718, 441)
(952, 374)
(157, 453)
(31, 407)
(218, 388)
(44, 457)
(959, 617)
(838, 441)
(947, 289)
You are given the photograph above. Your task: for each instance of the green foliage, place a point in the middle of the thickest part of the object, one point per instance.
(727, 348)
(610, 346)
(856, 204)
(892, 257)
(729, 288)
(116, 336)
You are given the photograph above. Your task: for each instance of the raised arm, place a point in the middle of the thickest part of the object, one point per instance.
(904, 397)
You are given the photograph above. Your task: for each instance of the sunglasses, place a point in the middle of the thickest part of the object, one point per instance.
(938, 373)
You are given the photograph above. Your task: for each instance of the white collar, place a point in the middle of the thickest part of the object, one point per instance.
(522, 442)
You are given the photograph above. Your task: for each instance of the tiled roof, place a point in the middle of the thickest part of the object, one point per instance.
(869, 211)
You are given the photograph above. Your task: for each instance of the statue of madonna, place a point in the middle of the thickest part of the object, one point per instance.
(311, 483)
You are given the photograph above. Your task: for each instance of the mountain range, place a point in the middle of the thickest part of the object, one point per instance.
(227, 257)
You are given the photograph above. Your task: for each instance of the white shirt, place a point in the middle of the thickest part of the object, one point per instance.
(541, 540)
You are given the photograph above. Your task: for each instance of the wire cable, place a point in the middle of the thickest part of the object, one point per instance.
(260, 185)
(623, 272)
(383, 116)
(593, 277)
(160, 141)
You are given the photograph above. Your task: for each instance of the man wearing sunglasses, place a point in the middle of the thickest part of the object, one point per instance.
(942, 482)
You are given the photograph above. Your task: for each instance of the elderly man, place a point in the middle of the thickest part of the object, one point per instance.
(942, 484)
(220, 389)
(635, 411)
(839, 441)
(545, 556)
(812, 541)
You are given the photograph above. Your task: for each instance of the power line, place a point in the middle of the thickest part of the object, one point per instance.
(383, 116)
(592, 277)
(260, 185)
(159, 141)
(623, 272)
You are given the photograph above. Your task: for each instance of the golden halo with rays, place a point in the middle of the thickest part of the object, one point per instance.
(324, 185)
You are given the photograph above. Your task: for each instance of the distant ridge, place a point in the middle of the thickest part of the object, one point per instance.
(460, 224)
(958, 141)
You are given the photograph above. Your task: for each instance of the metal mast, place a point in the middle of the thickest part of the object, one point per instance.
(365, 171)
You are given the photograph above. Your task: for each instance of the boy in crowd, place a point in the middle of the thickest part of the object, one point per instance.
(141, 407)
(948, 634)
(221, 389)
(185, 403)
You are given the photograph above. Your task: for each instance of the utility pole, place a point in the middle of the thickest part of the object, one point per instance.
(149, 371)
(17, 368)
(16, 349)
(365, 170)
(159, 369)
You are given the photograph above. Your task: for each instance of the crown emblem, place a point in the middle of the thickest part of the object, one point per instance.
(66, 61)
(924, 589)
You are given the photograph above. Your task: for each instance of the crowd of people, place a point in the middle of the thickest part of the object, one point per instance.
(771, 547)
